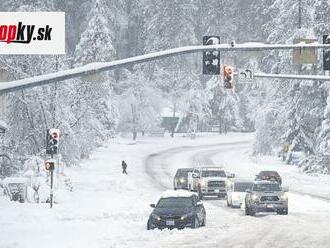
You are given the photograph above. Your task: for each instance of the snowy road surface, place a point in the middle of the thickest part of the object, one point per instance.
(108, 209)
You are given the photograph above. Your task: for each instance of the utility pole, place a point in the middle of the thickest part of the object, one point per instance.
(55, 94)
(299, 14)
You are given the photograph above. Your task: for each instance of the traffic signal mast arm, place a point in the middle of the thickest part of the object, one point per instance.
(93, 68)
(292, 76)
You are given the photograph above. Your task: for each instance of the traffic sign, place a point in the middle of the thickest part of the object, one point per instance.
(304, 55)
(245, 75)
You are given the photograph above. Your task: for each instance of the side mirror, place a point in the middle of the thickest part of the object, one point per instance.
(248, 190)
(152, 205)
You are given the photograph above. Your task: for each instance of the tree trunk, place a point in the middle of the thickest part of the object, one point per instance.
(173, 118)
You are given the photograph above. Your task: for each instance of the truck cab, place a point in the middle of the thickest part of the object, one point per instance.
(208, 181)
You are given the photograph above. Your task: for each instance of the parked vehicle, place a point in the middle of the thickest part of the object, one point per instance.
(266, 196)
(16, 188)
(236, 191)
(208, 181)
(269, 176)
(177, 209)
(180, 180)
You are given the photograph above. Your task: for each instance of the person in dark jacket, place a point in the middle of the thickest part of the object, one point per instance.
(124, 166)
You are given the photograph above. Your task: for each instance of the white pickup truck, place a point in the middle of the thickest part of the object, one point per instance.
(209, 181)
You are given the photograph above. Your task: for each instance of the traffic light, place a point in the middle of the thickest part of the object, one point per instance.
(326, 54)
(228, 72)
(53, 138)
(211, 59)
(49, 165)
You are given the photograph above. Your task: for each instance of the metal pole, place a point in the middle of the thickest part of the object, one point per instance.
(299, 15)
(51, 186)
(6, 87)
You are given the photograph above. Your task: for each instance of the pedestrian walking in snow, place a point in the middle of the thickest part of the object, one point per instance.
(124, 166)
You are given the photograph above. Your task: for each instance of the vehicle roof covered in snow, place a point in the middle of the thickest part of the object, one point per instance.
(212, 168)
(265, 182)
(9, 180)
(240, 180)
(177, 193)
(185, 169)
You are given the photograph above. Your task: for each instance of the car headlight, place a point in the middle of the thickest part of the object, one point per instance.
(203, 183)
(155, 216)
(254, 198)
(284, 196)
(185, 216)
(182, 179)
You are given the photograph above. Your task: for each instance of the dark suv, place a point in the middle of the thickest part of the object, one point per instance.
(269, 176)
(177, 209)
(180, 180)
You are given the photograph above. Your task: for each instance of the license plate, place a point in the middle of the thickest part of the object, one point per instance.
(216, 190)
(170, 223)
(269, 206)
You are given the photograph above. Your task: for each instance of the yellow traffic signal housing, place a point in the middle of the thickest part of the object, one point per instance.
(49, 165)
(228, 72)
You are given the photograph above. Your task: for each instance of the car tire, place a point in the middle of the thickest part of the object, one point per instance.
(204, 220)
(284, 211)
(199, 191)
(149, 226)
(252, 212)
(247, 210)
(196, 223)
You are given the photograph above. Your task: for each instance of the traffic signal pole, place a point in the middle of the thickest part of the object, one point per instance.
(6, 87)
(51, 186)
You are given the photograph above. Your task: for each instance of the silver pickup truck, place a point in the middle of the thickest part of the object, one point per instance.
(266, 196)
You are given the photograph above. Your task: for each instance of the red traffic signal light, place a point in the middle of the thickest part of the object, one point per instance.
(50, 165)
(53, 138)
(228, 72)
(211, 59)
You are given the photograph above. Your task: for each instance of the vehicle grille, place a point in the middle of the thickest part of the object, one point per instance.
(170, 217)
(216, 184)
(269, 198)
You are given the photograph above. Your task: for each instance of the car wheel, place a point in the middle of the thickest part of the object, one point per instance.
(252, 212)
(196, 223)
(200, 195)
(284, 211)
(247, 211)
(149, 226)
(204, 220)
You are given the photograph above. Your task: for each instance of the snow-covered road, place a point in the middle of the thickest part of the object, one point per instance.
(108, 209)
(305, 226)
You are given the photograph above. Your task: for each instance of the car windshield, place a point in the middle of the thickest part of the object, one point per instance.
(242, 187)
(213, 173)
(182, 173)
(269, 173)
(175, 202)
(267, 187)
